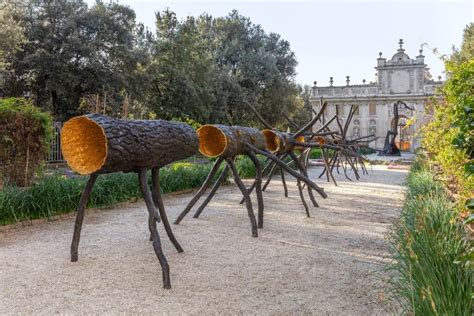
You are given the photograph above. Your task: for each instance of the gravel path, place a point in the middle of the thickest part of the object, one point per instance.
(331, 263)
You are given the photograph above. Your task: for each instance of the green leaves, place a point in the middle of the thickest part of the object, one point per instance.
(25, 133)
(70, 51)
(470, 205)
(204, 68)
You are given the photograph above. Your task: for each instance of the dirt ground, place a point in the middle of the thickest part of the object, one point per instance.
(332, 263)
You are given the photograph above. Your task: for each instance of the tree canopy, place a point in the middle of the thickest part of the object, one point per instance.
(73, 58)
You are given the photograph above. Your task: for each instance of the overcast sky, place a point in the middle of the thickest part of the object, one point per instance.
(340, 37)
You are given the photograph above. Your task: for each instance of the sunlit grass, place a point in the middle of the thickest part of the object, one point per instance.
(426, 242)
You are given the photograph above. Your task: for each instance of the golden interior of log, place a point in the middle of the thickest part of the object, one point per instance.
(273, 141)
(320, 140)
(300, 139)
(212, 141)
(84, 145)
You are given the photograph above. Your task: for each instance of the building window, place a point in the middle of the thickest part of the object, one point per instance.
(340, 109)
(372, 109)
(356, 112)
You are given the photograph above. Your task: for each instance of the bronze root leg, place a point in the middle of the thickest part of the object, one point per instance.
(216, 186)
(80, 216)
(158, 200)
(154, 231)
(250, 190)
(201, 191)
(304, 173)
(295, 174)
(284, 182)
(270, 176)
(326, 165)
(258, 187)
(245, 193)
(300, 190)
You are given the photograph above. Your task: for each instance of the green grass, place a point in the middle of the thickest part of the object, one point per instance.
(56, 195)
(426, 243)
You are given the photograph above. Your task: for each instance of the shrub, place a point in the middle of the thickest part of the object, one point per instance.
(315, 153)
(245, 166)
(449, 137)
(25, 133)
(365, 150)
(426, 243)
(56, 195)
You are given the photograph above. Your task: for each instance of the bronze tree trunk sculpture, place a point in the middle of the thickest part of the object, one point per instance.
(95, 144)
(227, 142)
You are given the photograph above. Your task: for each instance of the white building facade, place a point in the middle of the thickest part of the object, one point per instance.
(398, 79)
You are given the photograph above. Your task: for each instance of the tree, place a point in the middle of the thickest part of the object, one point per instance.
(70, 51)
(11, 34)
(207, 68)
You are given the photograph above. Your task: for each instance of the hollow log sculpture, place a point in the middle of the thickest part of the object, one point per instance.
(292, 145)
(95, 144)
(390, 148)
(287, 145)
(225, 143)
(345, 153)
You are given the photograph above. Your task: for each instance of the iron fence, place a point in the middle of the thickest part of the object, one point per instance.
(55, 155)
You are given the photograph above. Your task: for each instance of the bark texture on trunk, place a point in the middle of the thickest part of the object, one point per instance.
(96, 144)
(228, 141)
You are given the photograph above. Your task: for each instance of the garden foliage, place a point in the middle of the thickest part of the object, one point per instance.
(427, 243)
(59, 195)
(432, 241)
(449, 137)
(25, 134)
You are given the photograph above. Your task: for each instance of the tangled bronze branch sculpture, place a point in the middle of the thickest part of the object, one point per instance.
(345, 152)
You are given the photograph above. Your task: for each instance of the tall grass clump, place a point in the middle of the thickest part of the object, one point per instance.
(427, 241)
(245, 166)
(56, 195)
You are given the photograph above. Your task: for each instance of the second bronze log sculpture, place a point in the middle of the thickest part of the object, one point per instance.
(225, 143)
(95, 144)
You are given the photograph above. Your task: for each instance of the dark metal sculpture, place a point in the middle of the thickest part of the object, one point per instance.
(95, 144)
(390, 147)
(340, 152)
(227, 142)
(290, 146)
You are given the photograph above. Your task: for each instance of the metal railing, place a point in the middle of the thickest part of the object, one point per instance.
(55, 155)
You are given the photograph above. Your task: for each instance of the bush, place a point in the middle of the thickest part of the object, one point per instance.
(449, 137)
(59, 195)
(364, 150)
(245, 166)
(25, 134)
(426, 243)
(315, 153)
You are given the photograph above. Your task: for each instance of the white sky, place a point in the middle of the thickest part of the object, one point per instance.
(338, 38)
